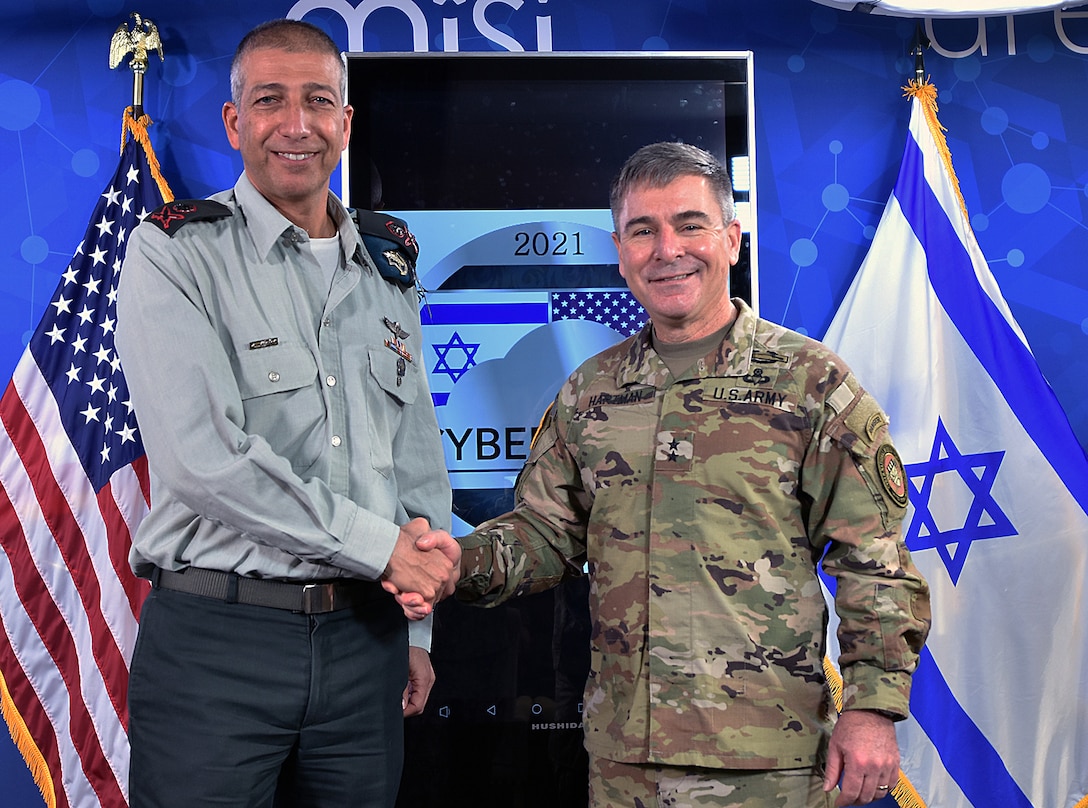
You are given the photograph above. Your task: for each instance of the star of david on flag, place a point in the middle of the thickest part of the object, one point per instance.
(984, 517)
(998, 489)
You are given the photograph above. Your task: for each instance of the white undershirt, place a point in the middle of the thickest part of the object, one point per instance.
(327, 253)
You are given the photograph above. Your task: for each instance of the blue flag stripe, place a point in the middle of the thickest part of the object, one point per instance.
(999, 349)
(483, 313)
(968, 756)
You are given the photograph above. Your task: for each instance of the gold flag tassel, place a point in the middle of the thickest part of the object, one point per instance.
(926, 93)
(136, 127)
(904, 792)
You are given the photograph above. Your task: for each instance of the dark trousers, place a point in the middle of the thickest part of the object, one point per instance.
(247, 706)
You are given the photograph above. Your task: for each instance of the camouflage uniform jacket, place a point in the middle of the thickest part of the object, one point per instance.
(703, 505)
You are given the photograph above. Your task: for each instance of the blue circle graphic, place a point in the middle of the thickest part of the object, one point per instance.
(995, 120)
(34, 249)
(968, 69)
(19, 105)
(1040, 49)
(803, 252)
(835, 197)
(85, 163)
(1025, 188)
(179, 70)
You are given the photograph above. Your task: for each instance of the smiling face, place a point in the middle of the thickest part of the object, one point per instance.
(675, 252)
(291, 126)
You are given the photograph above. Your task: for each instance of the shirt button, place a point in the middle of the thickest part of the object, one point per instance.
(336, 440)
(330, 381)
(273, 376)
(326, 322)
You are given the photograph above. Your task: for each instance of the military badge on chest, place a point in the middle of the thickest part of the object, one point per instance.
(757, 386)
(397, 346)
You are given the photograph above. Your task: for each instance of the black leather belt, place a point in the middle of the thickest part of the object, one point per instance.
(310, 597)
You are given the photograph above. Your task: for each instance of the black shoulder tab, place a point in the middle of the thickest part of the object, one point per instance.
(390, 243)
(172, 216)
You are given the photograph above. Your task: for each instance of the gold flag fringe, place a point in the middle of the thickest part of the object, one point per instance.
(926, 93)
(137, 129)
(904, 792)
(35, 760)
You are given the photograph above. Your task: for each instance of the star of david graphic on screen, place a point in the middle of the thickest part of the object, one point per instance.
(455, 366)
(501, 165)
(966, 514)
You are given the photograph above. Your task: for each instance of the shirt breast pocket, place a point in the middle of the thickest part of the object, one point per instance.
(282, 401)
(394, 384)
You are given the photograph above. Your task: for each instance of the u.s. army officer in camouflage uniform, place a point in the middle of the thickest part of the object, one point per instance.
(704, 467)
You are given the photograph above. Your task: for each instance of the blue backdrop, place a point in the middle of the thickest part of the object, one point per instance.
(830, 127)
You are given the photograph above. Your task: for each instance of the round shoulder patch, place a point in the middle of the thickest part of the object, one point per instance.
(892, 473)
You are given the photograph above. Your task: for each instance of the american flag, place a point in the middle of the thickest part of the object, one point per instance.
(617, 309)
(74, 488)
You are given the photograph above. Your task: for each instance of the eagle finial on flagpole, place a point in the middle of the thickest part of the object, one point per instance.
(143, 37)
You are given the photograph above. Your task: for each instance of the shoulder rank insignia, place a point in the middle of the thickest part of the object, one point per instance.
(172, 216)
(390, 243)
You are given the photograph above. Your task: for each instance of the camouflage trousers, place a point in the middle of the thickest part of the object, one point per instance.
(627, 785)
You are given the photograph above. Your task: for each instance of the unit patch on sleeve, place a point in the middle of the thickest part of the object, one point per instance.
(892, 474)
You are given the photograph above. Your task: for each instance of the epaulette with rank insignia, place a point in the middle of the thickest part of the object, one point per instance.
(172, 216)
(390, 243)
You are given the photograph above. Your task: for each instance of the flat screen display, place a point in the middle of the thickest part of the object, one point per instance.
(501, 165)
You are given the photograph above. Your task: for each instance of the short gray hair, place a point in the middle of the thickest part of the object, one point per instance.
(293, 36)
(658, 164)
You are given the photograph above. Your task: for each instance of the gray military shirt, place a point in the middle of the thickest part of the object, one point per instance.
(283, 439)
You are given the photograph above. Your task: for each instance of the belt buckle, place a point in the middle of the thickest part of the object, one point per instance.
(317, 598)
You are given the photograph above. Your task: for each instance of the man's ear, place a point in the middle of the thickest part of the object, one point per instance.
(230, 123)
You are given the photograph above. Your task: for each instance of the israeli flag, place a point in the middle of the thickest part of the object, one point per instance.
(998, 491)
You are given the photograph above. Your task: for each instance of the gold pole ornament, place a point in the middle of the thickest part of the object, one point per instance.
(143, 37)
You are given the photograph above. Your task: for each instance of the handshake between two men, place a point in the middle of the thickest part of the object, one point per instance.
(423, 569)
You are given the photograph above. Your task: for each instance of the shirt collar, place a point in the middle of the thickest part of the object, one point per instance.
(267, 225)
(642, 365)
